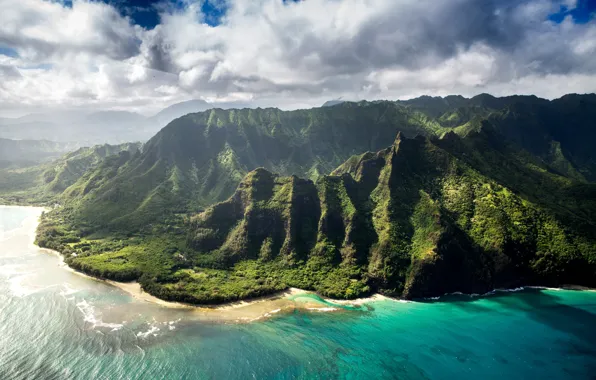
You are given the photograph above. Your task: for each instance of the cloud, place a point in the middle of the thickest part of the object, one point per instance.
(292, 54)
(41, 30)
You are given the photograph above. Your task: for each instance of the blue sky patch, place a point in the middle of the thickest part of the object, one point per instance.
(10, 52)
(583, 13)
(146, 13)
(213, 12)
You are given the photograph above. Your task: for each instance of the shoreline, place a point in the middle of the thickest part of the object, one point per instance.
(135, 290)
(242, 311)
(284, 300)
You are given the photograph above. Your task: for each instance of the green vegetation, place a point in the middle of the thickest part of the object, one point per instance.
(493, 192)
(412, 220)
(199, 159)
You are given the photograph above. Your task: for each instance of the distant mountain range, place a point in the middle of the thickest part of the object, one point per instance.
(177, 110)
(22, 153)
(100, 127)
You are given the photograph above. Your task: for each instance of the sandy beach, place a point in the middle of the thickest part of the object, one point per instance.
(244, 309)
(135, 290)
(239, 311)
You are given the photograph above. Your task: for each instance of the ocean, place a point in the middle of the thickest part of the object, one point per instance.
(55, 324)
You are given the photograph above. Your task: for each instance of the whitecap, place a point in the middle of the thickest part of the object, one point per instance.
(543, 288)
(152, 331)
(511, 290)
(322, 309)
(271, 312)
(68, 291)
(90, 317)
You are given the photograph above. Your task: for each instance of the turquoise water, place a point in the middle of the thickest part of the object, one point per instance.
(57, 325)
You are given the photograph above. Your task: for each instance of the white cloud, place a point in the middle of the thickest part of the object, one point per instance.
(42, 30)
(291, 54)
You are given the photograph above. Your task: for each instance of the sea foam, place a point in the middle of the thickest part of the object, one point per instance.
(90, 316)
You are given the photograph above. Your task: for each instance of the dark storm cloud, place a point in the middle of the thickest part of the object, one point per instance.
(157, 52)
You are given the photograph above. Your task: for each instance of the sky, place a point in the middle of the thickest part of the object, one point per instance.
(142, 55)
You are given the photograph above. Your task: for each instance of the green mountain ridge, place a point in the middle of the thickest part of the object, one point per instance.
(413, 220)
(199, 159)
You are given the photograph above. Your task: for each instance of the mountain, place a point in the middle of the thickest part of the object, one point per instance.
(416, 219)
(412, 220)
(200, 158)
(81, 128)
(177, 110)
(50, 117)
(20, 153)
(44, 182)
(468, 197)
(560, 132)
(117, 117)
(35, 130)
(113, 127)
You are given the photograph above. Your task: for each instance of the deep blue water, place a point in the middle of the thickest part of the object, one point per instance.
(55, 324)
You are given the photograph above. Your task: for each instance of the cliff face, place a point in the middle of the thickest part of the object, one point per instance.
(412, 220)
